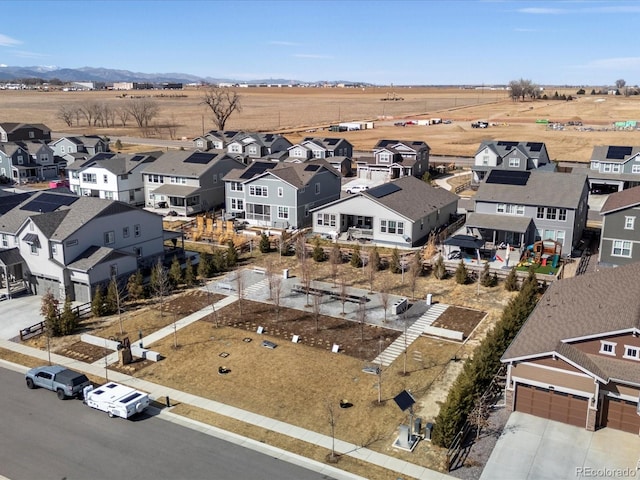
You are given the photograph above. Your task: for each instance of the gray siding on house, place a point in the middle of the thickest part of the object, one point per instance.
(613, 229)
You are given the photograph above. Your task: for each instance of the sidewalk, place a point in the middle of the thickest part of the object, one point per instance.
(160, 392)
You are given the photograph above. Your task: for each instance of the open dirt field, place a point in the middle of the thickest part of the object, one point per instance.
(301, 112)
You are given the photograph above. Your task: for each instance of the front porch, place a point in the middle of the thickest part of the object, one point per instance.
(12, 273)
(181, 199)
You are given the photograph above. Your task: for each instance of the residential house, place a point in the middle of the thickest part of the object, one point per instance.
(312, 147)
(214, 140)
(12, 132)
(80, 147)
(612, 168)
(251, 146)
(521, 207)
(70, 245)
(395, 159)
(620, 236)
(29, 161)
(187, 182)
(113, 176)
(576, 359)
(513, 156)
(398, 213)
(280, 195)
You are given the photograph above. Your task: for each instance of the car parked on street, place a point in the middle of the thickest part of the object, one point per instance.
(65, 382)
(357, 188)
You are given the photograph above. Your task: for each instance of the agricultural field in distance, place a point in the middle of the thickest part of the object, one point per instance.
(300, 112)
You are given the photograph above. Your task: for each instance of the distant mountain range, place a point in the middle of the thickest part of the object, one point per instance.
(108, 75)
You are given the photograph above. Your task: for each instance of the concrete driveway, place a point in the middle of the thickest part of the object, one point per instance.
(18, 313)
(532, 448)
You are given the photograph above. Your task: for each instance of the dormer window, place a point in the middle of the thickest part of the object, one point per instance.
(631, 352)
(608, 348)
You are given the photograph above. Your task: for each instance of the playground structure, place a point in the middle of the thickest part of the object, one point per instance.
(543, 253)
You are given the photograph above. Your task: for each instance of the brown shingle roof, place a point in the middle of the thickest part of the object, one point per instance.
(621, 200)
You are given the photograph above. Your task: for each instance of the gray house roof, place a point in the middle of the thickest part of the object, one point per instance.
(613, 153)
(295, 174)
(415, 145)
(95, 255)
(11, 256)
(582, 306)
(185, 163)
(621, 200)
(562, 190)
(511, 223)
(503, 147)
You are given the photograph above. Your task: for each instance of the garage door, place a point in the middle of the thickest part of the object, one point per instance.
(621, 415)
(41, 285)
(81, 292)
(558, 406)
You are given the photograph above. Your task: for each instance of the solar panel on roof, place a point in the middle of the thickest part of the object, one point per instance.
(535, 146)
(102, 156)
(10, 201)
(199, 157)
(384, 143)
(257, 168)
(137, 158)
(269, 137)
(618, 153)
(333, 141)
(311, 168)
(383, 190)
(508, 177)
(48, 202)
(507, 144)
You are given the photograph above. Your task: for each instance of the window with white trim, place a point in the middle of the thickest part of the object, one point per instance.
(562, 214)
(283, 212)
(108, 195)
(629, 223)
(631, 352)
(5, 240)
(514, 162)
(89, 177)
(125, 232)
(136, 230)
(236, 187)
(105, 178)
(237, 204)
(540, 212)
(326, 219)
(635, 168)
(317, 188)
(501, 208)
(552, 213)
(621, 248)
(280, 192)
(608, 348)
(258, 191)
(109, 237)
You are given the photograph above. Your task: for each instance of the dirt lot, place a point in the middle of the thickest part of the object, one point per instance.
(301, 112)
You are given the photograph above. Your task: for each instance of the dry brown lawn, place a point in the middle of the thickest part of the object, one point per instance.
(301, 112)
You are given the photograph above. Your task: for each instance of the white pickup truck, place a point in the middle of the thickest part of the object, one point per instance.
(115, 399)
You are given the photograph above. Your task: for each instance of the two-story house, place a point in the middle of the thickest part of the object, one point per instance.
(214, 140)
(521, 207)
(312, 147)
(576, 359)
(620, 236)
(111, 176)
(612, 168)
(38, 164)
(12, 132)
(250, 146)
(12, 154)
(505, 155)
(399, 213)
(395, 159)
(74, 148)
(69, 244)
(187, 182)
(280, 195)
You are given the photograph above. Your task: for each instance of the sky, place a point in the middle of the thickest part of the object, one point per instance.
(413, 42)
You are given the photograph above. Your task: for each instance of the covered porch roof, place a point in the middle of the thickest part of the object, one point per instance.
(177, 190)
(464, 241)
(504, 223)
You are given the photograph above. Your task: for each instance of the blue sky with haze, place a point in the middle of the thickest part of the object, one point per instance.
(382, 42)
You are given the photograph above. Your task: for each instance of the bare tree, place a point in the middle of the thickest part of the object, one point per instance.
(479, 416)
(143, 111)
(335, 259)
(305, 270)
(222, 102)
(108, 114)
(160, 284)
(240, 287)
(90, 110)
(123, 115)
(175, 332)
(332, 418)
(384, 300)
(66, 113)
(317, 302)
(172, 126)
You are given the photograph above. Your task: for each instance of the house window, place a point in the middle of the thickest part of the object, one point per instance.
(61, 148)
(608, 348)
(631, 352)
(156, 179)
(306, 210)
(485, 160)
(105, 179)
(136, 230)
(560, 236)
(317, 188)
(400, 228)
(71, 243)
(54, 248)
(108, 195)
(34, 248)
(621, 248)
(74, 175)
(540, 212)
(89, 177)
(562, 214)
(283, 212)
(501, 208)
(383, 226)
(628, 223)
(326, 219)
(237, 204)
(5, 240)
(113, 270)
(137, 251)
(514, 162)
(199, 143)
(236, 187)
(124, 177)
(178, 180)
(215, 178)
(125, 232)
(280, 191)
(132, 195)
(552, 213)
(635, 168)
(235, 148)
(615, 168)
(19, 159)
(109, 237)
(606, 168)
(32, 135)
(258, 191)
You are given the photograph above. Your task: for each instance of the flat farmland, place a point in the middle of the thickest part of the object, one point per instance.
(300, 112)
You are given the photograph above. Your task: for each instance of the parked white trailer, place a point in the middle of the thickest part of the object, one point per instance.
(115, 399)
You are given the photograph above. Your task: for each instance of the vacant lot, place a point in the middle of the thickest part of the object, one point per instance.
(302, 112)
